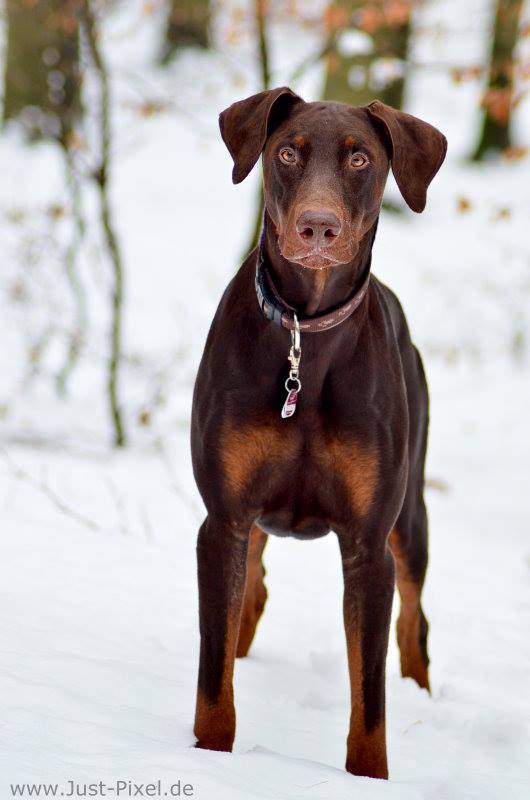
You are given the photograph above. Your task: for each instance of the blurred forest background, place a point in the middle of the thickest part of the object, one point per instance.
(64, 95)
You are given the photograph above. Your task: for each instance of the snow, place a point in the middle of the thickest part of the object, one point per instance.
(98, 612)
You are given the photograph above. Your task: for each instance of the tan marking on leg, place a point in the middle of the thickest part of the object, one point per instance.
(215, 724)
(245, 449)
(255, 591)
(366, 750)
(408, 625)
(358, 468)
(215, 721)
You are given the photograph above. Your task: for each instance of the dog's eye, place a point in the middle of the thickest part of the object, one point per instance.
(358, 160)
(287, 155)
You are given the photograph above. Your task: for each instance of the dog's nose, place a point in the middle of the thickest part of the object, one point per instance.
(318, 228)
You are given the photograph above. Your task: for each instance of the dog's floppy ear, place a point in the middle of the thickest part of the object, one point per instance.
(246, 124)
(417, 151)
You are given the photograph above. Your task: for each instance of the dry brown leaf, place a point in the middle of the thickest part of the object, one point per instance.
(515, 153)
(502, 214)
(498, 102)
(335, 18)
(369, 19)
(144, 418)
(463, 204)
(397, 12)
(461, 74)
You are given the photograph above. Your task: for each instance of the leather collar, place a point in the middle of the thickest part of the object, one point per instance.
(281, 313)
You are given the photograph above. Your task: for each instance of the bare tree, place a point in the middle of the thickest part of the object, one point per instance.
(42, 89)
(42, 75)
(260, 16)
(101, 177)
(188, 25)
(498, 99)
(378, 72)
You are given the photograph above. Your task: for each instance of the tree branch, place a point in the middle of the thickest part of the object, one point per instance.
(44, 489)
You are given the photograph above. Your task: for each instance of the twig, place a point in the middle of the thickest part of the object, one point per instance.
(146, 523)
(118, 502)
(44, 489)
(438, 484)
(79, 335)
(166, 461)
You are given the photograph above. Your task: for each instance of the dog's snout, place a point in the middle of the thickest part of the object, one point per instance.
(318, 228)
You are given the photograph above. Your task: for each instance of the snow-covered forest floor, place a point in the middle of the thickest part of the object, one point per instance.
(98, 611)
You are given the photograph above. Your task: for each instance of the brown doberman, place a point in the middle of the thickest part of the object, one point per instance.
(333, 438)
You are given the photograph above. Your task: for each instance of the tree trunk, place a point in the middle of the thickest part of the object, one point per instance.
(497, 101)
(187, 25)
(42, 75)
(379, 74)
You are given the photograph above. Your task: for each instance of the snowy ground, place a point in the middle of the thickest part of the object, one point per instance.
(98, 618)
(99, 632)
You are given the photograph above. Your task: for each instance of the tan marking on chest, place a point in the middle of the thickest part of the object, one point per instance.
(357, 466)
(246, 448)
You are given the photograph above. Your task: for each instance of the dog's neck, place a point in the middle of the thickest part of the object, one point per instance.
(315, 291)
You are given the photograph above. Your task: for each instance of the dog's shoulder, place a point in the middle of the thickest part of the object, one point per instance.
(392, 307)
(238, 293)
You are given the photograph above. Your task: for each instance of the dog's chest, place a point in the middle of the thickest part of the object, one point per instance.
(299, 474)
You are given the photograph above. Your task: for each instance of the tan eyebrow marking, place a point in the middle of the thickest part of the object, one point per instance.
(299, 141)
(349, 141)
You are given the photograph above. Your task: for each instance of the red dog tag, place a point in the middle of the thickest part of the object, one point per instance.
(289, 407)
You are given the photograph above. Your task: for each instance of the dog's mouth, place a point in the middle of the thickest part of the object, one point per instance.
(329, 251)
(314, 259)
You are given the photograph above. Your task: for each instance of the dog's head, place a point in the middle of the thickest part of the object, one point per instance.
(325, 167)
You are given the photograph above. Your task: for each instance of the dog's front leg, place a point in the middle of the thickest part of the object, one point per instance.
(221, 558)
(368, 570)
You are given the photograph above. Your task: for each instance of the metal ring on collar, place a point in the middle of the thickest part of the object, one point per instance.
(291, 388)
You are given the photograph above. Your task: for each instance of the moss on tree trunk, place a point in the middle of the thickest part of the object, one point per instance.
(42, 75)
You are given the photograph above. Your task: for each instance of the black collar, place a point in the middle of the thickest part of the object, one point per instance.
(281, 313)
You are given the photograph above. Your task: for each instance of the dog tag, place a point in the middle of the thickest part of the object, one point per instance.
(289, 407)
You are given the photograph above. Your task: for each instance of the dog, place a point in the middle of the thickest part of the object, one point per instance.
(310, 408)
